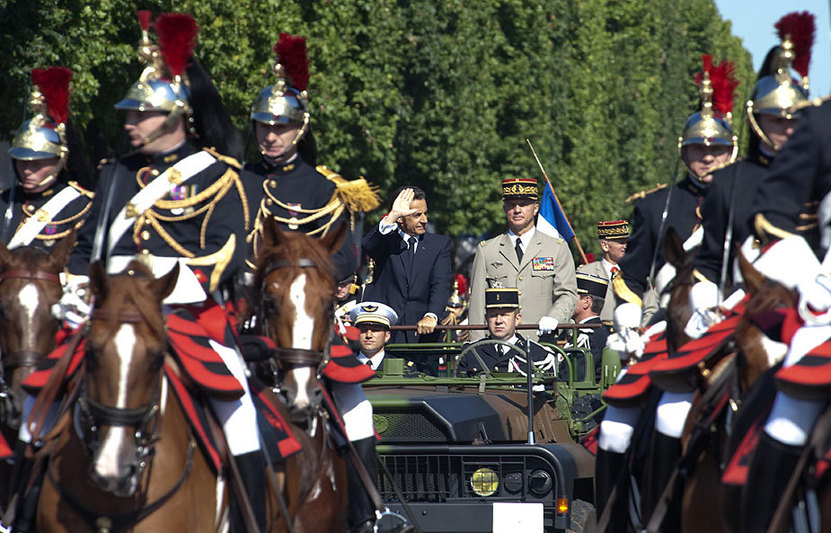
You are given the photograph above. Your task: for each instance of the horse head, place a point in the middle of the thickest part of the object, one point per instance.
(126, 345)
(678, 310)
(295, 285)
(29, 286)
(759, 352)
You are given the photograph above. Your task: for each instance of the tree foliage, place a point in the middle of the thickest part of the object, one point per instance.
(437, 94)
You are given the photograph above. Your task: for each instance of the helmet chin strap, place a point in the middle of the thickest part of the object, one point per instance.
(175, 114)
(300, 133)
(60, 166)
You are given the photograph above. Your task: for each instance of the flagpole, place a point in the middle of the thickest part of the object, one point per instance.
(553, 192)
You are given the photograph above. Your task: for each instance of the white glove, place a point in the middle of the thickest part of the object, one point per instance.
(703, 302)
(547, 325)
(627, 316)
(73, 308)
(815, 300)
(627, 343)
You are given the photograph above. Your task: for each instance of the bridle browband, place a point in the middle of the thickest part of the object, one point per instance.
(303, 262)
(33, 275)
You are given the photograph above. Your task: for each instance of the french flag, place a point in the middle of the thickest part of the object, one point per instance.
(552, 221)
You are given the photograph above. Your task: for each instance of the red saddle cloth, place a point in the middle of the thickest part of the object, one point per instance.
(635, 383)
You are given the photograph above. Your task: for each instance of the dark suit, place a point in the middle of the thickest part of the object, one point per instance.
(499, 362)
(411, 290)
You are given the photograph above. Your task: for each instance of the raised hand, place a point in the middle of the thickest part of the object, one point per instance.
(401, 206)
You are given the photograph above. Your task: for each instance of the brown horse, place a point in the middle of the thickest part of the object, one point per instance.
(733, 370)
(29, 286)
(296, 289)
(124, 457)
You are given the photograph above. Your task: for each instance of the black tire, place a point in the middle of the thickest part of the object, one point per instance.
(583, 518)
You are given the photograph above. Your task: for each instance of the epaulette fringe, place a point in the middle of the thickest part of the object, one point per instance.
(357, 195)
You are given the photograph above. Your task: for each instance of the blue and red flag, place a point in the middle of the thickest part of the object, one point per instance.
(552, 221)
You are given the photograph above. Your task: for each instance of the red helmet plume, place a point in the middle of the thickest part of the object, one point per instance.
(723, 81)
(291, 53)
(53, 84)
(801, 28)
(177, 39)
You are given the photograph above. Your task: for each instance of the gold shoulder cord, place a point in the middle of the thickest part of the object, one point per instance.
(211, 196)
(76, 216)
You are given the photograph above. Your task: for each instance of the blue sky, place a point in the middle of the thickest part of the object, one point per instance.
(753, 20)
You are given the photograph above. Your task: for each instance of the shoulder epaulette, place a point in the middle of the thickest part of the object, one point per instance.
(230, 161)
(642, 194)
(357, 195)
(84, 192)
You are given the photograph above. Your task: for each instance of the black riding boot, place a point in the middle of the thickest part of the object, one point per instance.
(361, 511)
(770, 469)
(609, 466)
(252, 470)
(665, 454)
(26, 503)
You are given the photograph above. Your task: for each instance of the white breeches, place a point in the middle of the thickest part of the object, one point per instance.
(791, 420)
(617, 428)
(238, 417)
(355, 410)
(672, 413)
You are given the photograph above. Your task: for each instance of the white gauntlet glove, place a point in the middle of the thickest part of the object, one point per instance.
(703, 302)
(547, 325)
(73, 307)
(627, 340)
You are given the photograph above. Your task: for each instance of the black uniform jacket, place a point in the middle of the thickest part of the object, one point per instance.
(181, 221)
(682, 215)
(593, 339)
(798, 180)
(735, 185)
(25, 206)
(295, 184)
(497, 362)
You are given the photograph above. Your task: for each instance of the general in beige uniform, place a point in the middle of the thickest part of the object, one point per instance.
(543, 272)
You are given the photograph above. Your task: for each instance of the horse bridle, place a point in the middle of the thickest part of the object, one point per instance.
(25, 358)
(141, 418)
(292, 356)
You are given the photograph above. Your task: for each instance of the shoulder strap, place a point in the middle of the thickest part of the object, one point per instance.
(155, 190)
(43, 216)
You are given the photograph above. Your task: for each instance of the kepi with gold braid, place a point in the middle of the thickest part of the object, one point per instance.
(501, 297)
(613, 230)
(519, 188)
(776, 93)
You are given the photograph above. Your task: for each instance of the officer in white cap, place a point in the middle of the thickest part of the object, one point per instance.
(373, 320)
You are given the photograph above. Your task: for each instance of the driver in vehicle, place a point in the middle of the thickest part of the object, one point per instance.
(373, 320)
(503, 315)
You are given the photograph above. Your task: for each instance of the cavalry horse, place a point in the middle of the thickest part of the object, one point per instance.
(123, 457)
(294, 300)
(29, 286)
(736, 359)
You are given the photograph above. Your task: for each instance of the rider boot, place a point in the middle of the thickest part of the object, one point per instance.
(251, 467)
(26, 501)
(609, 467)
(665, 453)
(361, 511)
(770, 470)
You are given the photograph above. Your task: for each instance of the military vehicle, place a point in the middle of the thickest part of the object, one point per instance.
(458, 451)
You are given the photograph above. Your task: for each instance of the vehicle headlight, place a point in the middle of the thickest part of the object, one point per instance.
(484, 482)
(540, 482)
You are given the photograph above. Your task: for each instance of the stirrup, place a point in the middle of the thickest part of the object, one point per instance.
(390, 522)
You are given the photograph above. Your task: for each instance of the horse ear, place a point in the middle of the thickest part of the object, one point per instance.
(5, 256)
(163, 286)
(673, 248)
(98, 281)
(753, 279)
(334, 239)
(271, 232)
(60, 253)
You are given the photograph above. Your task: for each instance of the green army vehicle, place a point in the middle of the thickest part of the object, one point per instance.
(458, 450)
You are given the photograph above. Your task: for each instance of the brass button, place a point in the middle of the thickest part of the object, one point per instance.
(520, 278)
(272, 183)
(154, 172)
(268, 201)
(145, 251)
(145, 235)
